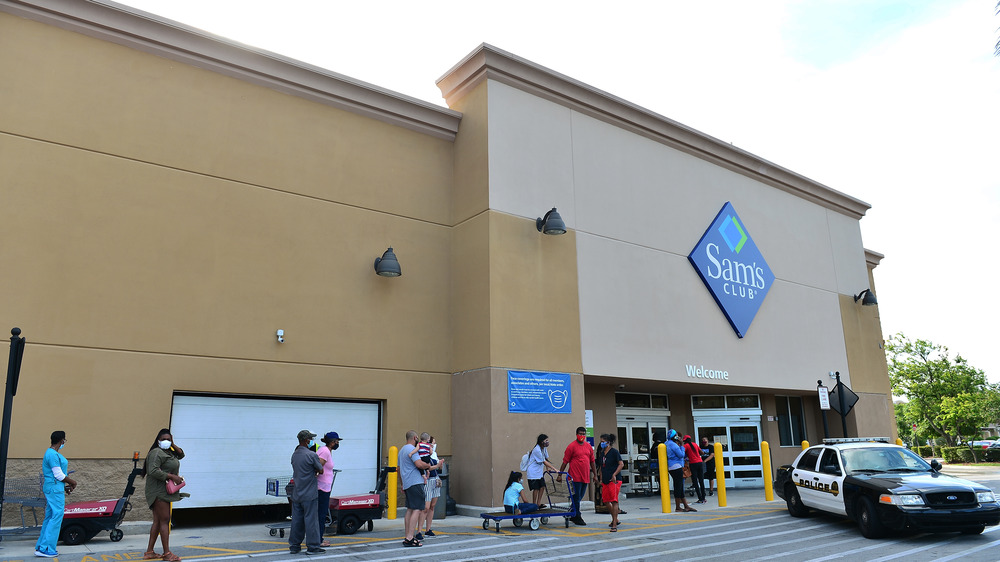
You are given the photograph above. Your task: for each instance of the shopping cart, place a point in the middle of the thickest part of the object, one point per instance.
(279, 487)
(26, 493)
(560, 505)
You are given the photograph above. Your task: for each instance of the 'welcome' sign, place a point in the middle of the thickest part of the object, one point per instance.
(732, 268)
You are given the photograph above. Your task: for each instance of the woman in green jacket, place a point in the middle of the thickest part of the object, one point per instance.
(163, 463)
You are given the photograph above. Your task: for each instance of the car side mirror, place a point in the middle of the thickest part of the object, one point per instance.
(831, 469)
(935, 465)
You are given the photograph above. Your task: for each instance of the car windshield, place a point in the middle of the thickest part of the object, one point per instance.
(882, 459)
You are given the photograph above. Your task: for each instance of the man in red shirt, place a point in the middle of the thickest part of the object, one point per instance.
(579, 456)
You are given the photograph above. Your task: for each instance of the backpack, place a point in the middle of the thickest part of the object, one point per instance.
(526, 460)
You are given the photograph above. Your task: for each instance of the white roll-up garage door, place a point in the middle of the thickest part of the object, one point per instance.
(232, 445)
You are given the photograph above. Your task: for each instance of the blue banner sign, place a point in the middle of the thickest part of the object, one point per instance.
(732, 268)
(531, 392)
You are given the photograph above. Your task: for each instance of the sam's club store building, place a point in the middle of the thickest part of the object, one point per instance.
(178, 198)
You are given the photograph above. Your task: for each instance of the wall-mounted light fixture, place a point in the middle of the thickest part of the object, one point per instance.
(387, 265)
(281, 336)
(551, 223)
(867, 297)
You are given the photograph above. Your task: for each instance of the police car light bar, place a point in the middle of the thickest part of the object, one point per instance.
(856, 440)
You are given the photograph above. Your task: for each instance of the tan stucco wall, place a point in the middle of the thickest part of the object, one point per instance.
(166, 220)
(472, 189)
(601, 399)
(534, 307)
(490, 441)
(873, 415)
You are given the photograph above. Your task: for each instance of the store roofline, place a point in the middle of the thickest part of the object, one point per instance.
(873, 258)
(487, 62)
(149, 33)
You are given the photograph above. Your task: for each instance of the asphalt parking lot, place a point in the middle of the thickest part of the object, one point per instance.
(749, 528)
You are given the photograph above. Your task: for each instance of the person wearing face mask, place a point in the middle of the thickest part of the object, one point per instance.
(324, 482)
(306, 466)
(579, 456)
(611, 467)
(55, 485)
(675, 466)
(163, 463)
(538, 462)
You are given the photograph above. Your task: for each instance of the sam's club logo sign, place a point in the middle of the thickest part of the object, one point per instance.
(732, 268)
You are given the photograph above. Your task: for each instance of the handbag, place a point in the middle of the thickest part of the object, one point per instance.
(174, 488)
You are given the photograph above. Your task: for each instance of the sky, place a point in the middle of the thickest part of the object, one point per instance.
(894, 102)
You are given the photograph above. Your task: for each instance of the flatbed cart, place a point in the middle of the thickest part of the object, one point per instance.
(540, 517)
(83, 520)
(348, 513)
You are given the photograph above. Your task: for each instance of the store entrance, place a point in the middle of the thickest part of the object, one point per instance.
(635, 435)
(740, 438)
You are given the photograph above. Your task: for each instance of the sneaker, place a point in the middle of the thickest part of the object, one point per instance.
(579, 521)
(316, 551)
(418, 537)
(429, 533)
(294, 550)
(41, 554)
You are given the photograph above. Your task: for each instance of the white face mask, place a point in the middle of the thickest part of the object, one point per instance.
(165, 444)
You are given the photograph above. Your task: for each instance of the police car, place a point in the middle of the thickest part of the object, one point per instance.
(883, 487)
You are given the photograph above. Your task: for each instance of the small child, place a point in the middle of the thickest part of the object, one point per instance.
(424, 450)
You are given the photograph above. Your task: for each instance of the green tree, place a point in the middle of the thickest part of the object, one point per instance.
(946, 398)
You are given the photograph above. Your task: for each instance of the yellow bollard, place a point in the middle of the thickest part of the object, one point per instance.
(899, 441)
(720, 475)
(392, 484)
(765, 457)
(661, 454)
(805, 445)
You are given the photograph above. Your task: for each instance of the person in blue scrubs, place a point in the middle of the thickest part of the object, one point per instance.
(55, 485)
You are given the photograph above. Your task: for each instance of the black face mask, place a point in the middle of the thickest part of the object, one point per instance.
(336, 446)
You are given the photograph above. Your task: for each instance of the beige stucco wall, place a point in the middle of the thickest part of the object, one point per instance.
(490, 441)
(165, 220)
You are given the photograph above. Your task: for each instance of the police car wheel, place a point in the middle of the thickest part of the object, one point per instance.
(975, 530)
(794, 502)
(868, 519)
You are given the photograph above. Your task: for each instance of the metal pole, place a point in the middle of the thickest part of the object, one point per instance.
(840, 396)
(826, 427)
(13, 369)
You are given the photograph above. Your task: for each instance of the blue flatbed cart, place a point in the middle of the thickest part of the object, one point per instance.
(557, 508)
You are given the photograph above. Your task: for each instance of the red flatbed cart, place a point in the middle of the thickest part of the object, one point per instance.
(83, 520)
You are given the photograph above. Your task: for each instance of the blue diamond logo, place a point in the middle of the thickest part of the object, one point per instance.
(729, 263)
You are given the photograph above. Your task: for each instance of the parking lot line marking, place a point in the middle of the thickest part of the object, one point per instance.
(220, 550)
(879, 544)
(772, 545)
(967, 552)
(675, 550)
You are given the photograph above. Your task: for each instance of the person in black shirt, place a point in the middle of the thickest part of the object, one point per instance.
(611, 466)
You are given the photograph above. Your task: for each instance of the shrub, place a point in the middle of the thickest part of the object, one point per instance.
(958, 454)
(992, 455)
(924, 451)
